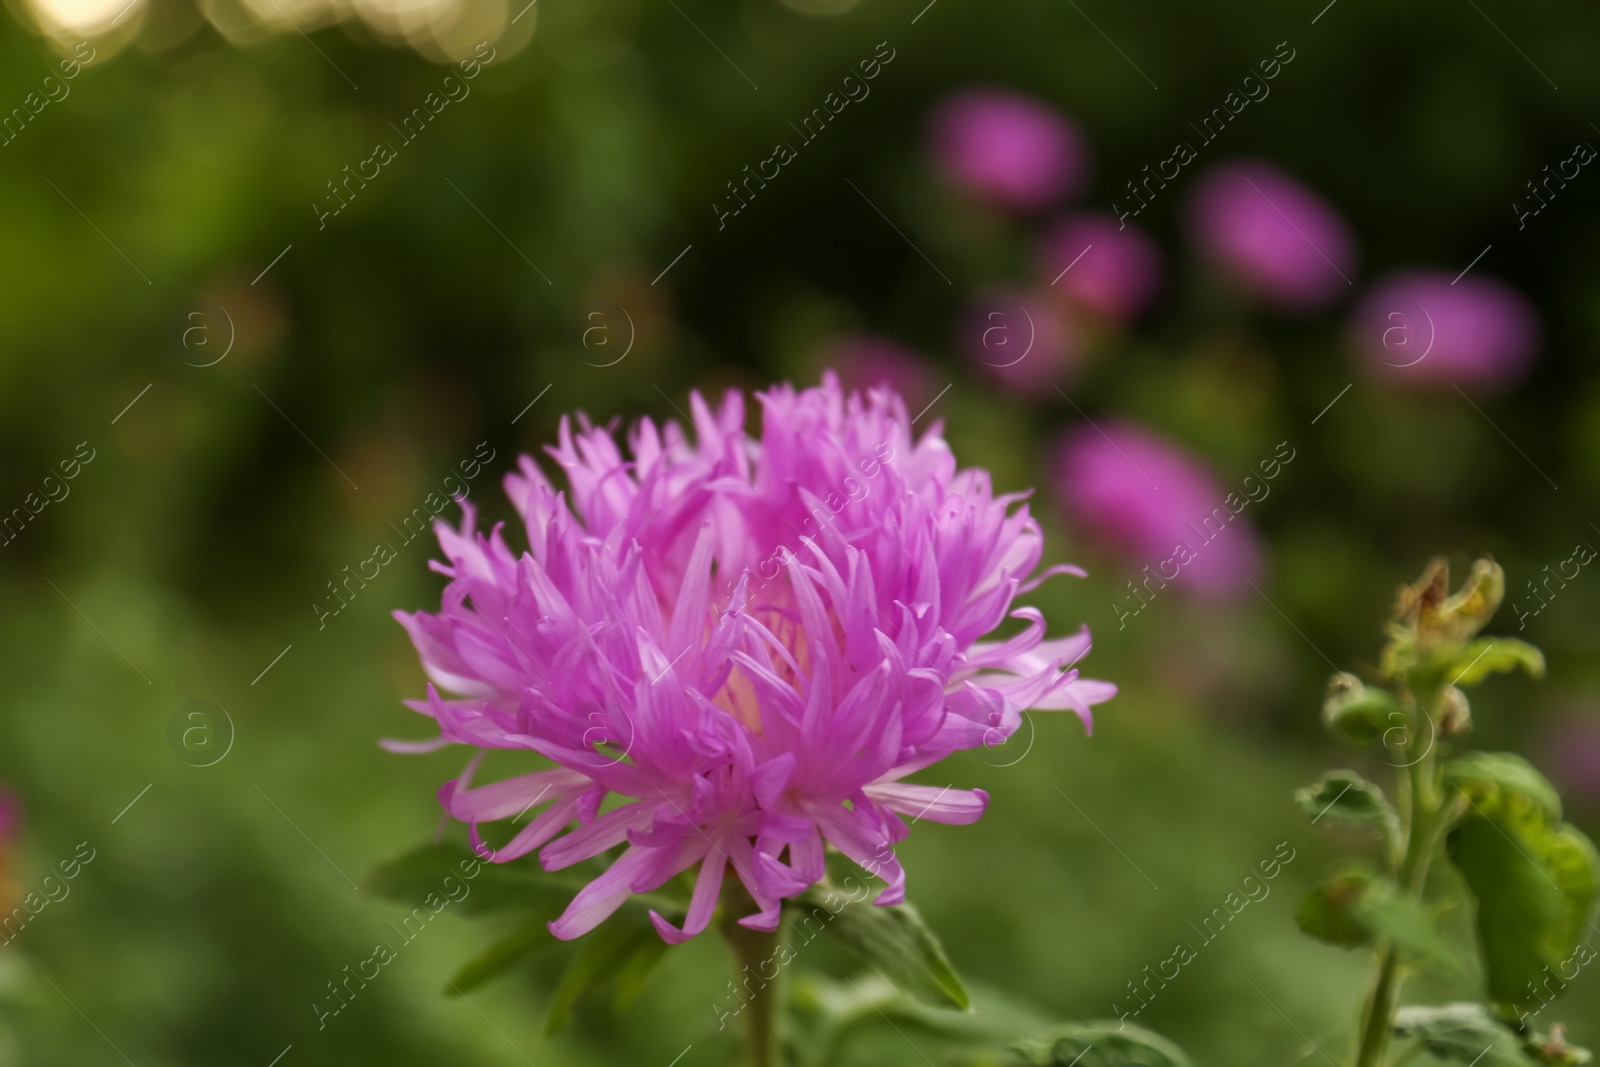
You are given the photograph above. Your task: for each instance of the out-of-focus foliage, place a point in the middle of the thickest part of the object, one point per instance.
(557, 211)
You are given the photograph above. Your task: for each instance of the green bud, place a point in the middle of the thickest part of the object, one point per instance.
(1430, 614)
(1455, 714)
(1356, 712)
(1552, 1049)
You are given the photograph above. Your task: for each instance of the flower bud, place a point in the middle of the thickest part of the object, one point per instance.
(1455, 714)
(1429, 620)
(1356, 712)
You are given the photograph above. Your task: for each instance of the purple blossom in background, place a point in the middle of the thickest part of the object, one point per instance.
(1572, 752)
(735, 649)
(1006, 148)
(1420, 329)
(1272, 235)
(1022, 340)
(10, 827)
(1111, 270)
(865, 361)
(1142, 497)
(10, 814)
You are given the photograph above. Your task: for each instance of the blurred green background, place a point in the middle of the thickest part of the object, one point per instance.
(379, 350)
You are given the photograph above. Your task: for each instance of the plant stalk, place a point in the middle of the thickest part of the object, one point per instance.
(1419, 828)
(755, 955)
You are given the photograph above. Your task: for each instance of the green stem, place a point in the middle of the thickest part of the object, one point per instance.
(755, 955)
(1419, 827)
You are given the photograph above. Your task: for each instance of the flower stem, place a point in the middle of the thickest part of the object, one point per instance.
(755, 955)
(1419, 817)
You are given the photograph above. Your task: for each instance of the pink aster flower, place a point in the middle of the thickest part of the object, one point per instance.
(1024, 341)
(1156, 505)
(1007, 148)
(1108, 268)
(1273, 235)
(735, 649)
(1423, 329)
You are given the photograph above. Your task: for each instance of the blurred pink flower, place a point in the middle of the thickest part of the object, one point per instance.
(1110, 270)
(10, 814)
(1572, 752)
(1022, 340)
(1141, 496)
(736, 649)
(1272, 235)
(865, 361)
(10, 827)
(1007, 148)
(1422, 329)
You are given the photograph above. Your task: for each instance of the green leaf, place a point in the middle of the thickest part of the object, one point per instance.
(489, 887)
(494, 887)
(1345, 796)
(637, 970)
(1326, 913)
(1358, 906)
(1358, 713)
(1464, 1032)
(864, 1019)
(526, 939)
(601, 952)
(1535, 882)
(1494, 655)
(1101, 1044)
(896, 941)
(1482, 776)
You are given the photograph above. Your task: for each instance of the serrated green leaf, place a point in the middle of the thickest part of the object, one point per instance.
(896, 941)
(1464, 1032)
(1482, 776)
(1535, 882)
(1358, 906)
(1101, 1044)
(1345, 796)
(1494, 655)
(1358, 713)
(529, 937)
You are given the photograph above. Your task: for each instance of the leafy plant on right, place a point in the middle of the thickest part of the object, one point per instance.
(1532, 878)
